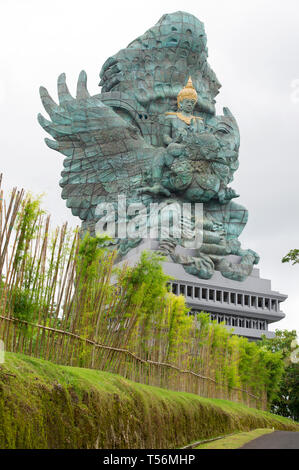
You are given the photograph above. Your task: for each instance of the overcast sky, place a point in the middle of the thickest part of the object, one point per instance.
(254, 50)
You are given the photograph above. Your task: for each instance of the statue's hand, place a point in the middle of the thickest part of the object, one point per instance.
(179, 137)
(246, 255)
(176, 150)
(251, 254)
(155, 189)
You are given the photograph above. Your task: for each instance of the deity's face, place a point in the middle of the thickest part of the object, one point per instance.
(225, 129)
(187, 105)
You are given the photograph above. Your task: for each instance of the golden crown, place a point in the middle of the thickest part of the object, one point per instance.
(188, 92)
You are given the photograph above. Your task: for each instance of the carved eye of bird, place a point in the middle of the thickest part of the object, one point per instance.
(222, 131)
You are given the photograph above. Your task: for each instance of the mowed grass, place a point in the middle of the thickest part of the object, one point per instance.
(44, 405)
(236, 441)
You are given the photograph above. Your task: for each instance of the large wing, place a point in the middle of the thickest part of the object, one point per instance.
(105, 155)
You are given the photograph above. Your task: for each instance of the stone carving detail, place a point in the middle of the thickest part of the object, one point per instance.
(153, 135)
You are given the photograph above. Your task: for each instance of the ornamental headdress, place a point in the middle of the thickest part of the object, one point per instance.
(188, 92)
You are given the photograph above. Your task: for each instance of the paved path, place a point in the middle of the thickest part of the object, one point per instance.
(275, 440)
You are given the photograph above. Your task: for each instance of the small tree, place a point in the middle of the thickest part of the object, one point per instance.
(291, 256)
(286, 400)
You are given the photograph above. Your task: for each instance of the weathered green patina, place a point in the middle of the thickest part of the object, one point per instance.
(153, 136)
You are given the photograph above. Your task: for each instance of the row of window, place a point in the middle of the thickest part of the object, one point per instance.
(241, 322)
(215, 295)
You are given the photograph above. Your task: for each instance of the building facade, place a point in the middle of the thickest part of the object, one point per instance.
(247, 308)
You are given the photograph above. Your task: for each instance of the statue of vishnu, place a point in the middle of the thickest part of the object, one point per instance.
(153, 135)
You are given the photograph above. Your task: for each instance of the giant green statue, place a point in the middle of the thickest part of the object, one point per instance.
(152, 136)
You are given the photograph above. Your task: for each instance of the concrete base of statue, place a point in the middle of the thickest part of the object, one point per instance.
(248, 308)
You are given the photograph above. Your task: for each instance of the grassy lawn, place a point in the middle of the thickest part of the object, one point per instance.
(236, 441)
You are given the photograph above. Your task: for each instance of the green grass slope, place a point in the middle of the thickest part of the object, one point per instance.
(43, 405)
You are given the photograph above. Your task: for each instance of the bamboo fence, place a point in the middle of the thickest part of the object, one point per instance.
(52, 308)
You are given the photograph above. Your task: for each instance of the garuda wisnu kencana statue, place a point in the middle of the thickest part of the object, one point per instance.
(152, 139)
